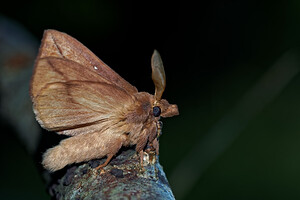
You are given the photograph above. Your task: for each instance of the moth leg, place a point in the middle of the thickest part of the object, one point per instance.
(159, 128)
(141, 153)
(109, 157)
(155, 132)
(155, 145)
(140, 148)
(115, 148)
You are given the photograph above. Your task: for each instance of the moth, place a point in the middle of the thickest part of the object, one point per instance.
(74, 93)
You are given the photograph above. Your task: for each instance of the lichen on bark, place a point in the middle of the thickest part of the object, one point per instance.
(123, 178)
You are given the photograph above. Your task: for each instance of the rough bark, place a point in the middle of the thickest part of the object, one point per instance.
(123, 178)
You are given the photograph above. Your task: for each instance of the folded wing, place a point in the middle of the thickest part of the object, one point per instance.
(71, 101)
(78, 107)
(60, 45)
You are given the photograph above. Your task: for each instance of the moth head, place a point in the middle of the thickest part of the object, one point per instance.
(164, 109)
(161, 107)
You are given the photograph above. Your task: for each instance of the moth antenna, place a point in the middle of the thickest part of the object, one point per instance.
(158, 75)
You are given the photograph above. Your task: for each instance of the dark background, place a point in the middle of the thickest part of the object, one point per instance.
(226, 62)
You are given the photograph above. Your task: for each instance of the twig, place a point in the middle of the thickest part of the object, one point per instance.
(123, 178)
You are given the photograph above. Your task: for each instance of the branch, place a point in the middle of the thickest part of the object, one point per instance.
(122, 178)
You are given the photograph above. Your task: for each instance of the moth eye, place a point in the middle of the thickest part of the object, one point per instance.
(156, 111)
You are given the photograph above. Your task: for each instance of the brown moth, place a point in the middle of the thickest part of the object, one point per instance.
(74, 93)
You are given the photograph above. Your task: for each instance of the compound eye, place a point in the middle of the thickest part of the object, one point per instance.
(156, 111)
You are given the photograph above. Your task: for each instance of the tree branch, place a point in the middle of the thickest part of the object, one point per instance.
(122, 178)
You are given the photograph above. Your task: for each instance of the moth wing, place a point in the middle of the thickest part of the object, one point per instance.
(61, 45)
(78, 107)
(52, 69)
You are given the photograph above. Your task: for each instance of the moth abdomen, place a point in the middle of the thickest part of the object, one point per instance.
(82, 148)
(55, 158)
